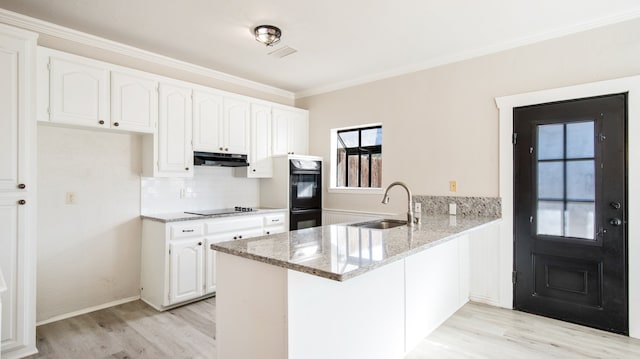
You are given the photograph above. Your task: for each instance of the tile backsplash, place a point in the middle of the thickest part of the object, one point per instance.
(210, 188)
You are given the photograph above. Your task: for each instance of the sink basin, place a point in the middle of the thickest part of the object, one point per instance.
(380, 224)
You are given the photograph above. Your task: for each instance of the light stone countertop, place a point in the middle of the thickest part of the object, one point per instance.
(181, 216)
(340, 252)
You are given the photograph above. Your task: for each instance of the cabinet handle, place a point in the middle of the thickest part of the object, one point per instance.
(101, 122)
(22, 186)
(220, 148)
(187, 230)
(254, 170)
(268, 232)
(226, 149)
(186, 168)
(275, 220)
(240, 237)
(116, 124)
(236, 237)
(22, 202)
(199, 243)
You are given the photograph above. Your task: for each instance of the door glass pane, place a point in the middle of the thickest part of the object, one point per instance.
(550, 218)
(580, 140)
(566, 186)
(550, 180)
(551, 142)
(581, 180)
(580, 221)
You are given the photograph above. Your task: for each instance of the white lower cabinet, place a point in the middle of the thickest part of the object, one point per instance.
(178, 264)
(186, 270)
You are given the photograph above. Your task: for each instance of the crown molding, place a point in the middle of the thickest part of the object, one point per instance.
(47, 28)
(466, 55)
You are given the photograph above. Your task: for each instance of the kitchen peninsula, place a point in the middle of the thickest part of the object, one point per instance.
(342, 291)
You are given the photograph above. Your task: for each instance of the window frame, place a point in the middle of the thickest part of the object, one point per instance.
(355, 151)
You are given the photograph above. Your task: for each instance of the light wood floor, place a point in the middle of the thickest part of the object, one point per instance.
(134, 330)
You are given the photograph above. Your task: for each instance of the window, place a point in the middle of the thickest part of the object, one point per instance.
(358, 157)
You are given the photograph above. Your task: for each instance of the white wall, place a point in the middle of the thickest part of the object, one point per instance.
(441, 124)
(210, 188)
(88, 253)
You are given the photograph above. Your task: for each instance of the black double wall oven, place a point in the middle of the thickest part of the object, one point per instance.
(305, 193)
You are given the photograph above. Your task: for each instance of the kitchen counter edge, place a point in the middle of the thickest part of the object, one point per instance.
(181, 216)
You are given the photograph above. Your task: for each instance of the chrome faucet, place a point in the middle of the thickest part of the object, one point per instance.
(411, 219)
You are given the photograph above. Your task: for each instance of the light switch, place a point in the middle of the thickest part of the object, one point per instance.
(71, 198)
(453, 186)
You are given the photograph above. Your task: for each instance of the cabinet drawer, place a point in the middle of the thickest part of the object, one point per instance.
(275, 229)
(274, 219)
(187, 230)
(233, 224)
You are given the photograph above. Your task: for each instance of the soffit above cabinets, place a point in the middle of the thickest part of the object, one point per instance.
(338, 43)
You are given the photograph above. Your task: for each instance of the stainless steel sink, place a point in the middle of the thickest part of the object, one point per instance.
(380, 224)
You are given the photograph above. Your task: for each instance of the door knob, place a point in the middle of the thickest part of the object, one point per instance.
(615, 221)
(615, 205)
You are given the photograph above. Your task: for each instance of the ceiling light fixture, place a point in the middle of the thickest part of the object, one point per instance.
(267, 34)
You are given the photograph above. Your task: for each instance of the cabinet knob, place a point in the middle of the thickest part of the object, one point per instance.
(220, 148)
(254, 170)
(22, 202)
(186, 168)
(116, 124)
(268, 232)
(199, 243)
(22, 186)
(236, 237)
(226, 149)
(240, 237)
(101, 122)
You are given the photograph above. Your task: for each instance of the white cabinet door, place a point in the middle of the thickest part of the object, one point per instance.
(280, 132)
(186, 268)
(260, 154)
(79, 93)
(299, 134)
(175, 154)
(207, 122)
(12, 262)
(134, 102)
(236, 126)
(290, 132)
(12, 118)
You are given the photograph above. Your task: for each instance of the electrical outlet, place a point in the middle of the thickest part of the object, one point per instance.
(453, 186)
(182, 193)
(71, 198)
(417, 208)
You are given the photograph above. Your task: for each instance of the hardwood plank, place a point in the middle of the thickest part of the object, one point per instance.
(135, 330)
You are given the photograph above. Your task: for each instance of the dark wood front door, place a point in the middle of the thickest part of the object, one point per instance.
(570, 211)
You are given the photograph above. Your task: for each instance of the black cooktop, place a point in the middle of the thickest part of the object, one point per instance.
(212, 212)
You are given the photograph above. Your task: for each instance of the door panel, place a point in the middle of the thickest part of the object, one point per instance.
(570, 210)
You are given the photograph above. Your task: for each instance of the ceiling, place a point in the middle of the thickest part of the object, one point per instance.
(339, 42)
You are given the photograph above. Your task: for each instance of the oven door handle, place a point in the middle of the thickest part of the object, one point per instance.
(304, 210)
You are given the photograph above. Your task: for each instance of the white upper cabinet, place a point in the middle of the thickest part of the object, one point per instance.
(290, 132)
(134, 102)
(79, 93)
(220, 123)
(236, 126)
(175, 153)
(207, 121)
(260, 164)
(12, 163)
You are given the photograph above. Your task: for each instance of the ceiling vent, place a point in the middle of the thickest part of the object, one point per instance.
(282, 52)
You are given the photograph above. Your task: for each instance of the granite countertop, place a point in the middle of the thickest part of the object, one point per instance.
(181, 216)
(340, 251)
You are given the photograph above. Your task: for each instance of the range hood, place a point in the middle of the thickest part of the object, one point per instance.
(219, 159)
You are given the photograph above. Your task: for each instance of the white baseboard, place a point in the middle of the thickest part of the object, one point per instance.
(87, 310)
(486, 300)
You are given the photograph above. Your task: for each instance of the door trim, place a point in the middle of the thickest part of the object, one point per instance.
(505, 106)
